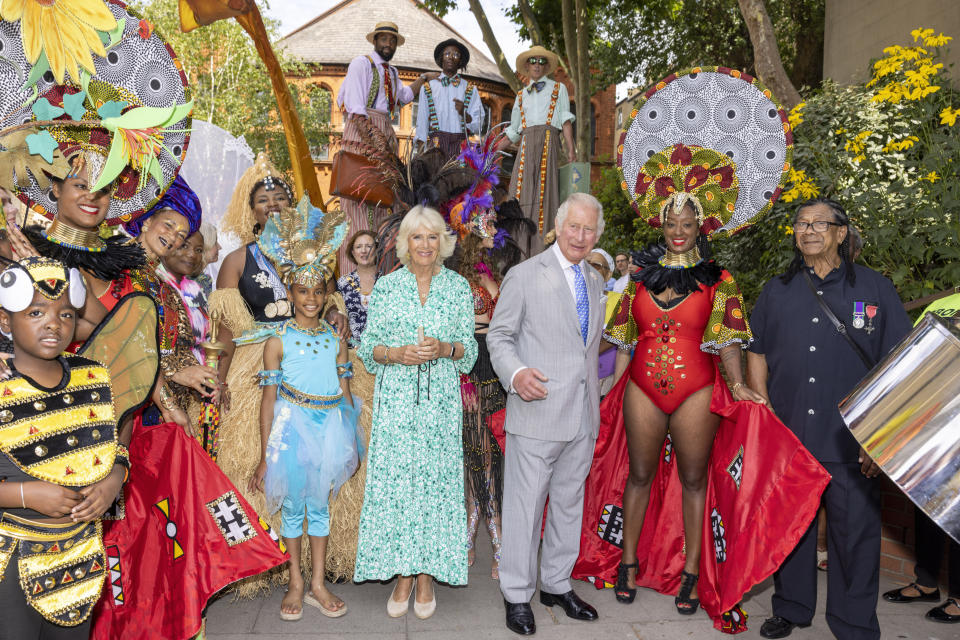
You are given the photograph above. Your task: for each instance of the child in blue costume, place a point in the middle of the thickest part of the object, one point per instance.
(308, 418)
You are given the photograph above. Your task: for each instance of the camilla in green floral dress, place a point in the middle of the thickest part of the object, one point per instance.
(413, 519)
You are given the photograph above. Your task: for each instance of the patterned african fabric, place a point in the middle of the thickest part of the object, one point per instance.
(413, 518)
(187, 531)
(763, 490)
(187, 534)
(727, 113)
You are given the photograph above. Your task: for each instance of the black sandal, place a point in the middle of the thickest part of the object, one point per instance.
(624, 593)
(685, 604)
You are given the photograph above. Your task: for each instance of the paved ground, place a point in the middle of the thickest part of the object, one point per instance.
(476, 611)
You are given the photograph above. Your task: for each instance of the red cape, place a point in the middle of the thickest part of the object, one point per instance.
(763, 491)
(186, 534)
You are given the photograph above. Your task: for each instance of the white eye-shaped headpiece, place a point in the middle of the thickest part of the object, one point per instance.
(45, 275)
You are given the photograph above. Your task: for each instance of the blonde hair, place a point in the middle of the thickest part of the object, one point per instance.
(209, 233)
(239, 218)
(421, 216)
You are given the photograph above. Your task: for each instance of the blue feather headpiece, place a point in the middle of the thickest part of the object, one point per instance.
(302, 242)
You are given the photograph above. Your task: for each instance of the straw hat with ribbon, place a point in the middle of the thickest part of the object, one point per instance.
(386, 27)
(538, 52)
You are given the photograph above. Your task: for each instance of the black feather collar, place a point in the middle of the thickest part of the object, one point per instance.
(657, 278)
(120, 254)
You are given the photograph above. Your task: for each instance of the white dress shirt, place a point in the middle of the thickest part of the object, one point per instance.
(567, 268)
(447, 117)
(536, 106)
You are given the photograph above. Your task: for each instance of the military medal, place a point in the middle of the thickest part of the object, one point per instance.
(858, 315)
(871, 314)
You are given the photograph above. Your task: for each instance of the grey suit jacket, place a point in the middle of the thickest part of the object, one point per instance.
(536, 325)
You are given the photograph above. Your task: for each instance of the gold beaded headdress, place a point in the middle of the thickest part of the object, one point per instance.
(302, 242)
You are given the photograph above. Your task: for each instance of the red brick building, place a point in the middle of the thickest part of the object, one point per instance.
(330, 41)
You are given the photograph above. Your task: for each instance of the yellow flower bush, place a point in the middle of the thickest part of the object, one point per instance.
(889, 152)
(796, 115)
(910, 71)
(801, 187)
(949, 116)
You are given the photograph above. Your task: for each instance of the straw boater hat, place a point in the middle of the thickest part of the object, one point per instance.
(452, 42)
(537, 52)
(385, 27)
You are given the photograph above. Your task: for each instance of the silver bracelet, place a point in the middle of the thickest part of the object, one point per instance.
(453, 350)
(23, 502)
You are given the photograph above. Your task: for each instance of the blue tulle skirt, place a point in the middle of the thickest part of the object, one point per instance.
(311, 452)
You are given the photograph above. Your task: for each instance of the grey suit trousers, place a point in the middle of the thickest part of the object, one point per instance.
(533, 470)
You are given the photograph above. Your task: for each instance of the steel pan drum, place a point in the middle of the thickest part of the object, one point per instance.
(906, 415)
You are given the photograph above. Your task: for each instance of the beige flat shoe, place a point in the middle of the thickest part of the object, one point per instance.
(397, 609)
(424, 610)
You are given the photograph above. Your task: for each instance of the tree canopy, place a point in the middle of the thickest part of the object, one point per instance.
(641, 41)
(230, 87)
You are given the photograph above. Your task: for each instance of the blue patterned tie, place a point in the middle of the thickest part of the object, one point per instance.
(583, 304)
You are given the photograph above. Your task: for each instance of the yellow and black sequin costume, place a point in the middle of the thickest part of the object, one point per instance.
(65, 436)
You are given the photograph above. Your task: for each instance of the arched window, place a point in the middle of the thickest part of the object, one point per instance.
(505, 113)
(317, 107)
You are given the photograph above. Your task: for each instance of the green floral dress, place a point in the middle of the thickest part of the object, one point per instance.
(413, 518)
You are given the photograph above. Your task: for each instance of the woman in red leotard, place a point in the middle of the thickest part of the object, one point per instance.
(680, 312)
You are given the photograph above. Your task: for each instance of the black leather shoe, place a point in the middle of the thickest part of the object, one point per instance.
(777, 627)
(939, 614)
(571, 603)
(896, 595)
(520, 618)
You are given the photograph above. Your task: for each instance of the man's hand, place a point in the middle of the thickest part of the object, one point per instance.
(458, 105)
(571, 155)
(527, 384)
(868, 467)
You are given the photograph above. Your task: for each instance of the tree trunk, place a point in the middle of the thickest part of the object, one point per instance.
(530, 20)
(491, 41)
(569, 21)
(584, 139)
(766, 55)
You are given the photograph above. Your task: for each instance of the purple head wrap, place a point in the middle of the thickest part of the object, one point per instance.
(179, 197)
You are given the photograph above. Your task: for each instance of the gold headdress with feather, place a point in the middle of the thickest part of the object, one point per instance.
(302, 242)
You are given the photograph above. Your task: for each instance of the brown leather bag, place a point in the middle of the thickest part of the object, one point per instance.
(354, 177)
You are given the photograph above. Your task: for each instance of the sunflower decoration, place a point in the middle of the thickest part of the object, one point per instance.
(64, 32)
(684, 174)
(96, 88)
(302, 242)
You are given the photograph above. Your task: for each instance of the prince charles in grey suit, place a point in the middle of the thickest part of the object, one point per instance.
(543, 341)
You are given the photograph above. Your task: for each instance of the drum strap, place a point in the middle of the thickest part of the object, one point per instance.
(841, 328)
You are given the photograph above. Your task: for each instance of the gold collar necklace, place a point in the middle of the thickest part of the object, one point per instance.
(683, 260)
(66, 236)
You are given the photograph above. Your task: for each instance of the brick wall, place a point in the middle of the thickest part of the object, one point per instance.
(896, 546)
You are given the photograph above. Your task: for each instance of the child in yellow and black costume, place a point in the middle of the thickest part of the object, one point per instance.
(62, 464)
